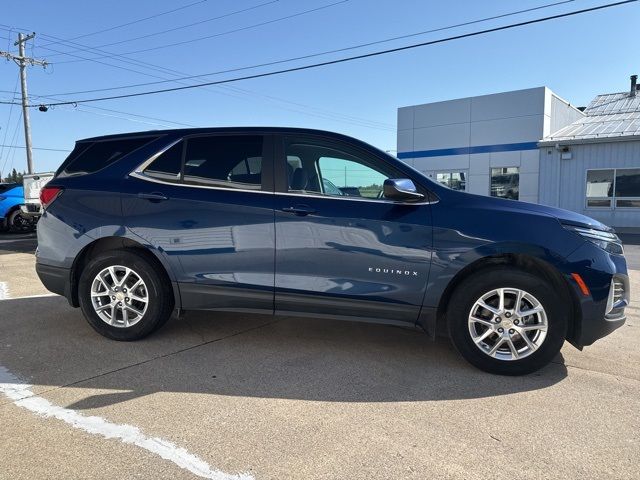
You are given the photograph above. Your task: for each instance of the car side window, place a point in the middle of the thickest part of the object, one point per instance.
(168, 165)
(231, 161)
(331, 171)
(351, 178)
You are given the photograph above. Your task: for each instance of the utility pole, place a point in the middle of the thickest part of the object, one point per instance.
(22, 61)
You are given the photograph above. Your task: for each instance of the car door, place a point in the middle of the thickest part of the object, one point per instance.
(342, 249)
(207, 204)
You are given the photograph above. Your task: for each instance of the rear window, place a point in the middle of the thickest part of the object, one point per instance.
(89, 157)
(233, 161)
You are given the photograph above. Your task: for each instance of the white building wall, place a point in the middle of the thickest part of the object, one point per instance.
(477, 133)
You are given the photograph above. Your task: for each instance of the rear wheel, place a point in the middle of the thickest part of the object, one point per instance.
(507, 321)
(124, 295)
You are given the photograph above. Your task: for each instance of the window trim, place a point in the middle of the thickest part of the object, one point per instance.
(280, 174)
(612, 199)
(505, 166)
(267, 167)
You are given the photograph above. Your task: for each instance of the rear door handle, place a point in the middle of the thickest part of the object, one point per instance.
(153, 196)
(300, 210)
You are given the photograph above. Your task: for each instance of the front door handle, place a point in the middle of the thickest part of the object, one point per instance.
(300, 210)
(153, 196)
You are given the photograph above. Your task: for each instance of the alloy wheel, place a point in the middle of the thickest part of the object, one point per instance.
(119, 296)
(508, 324)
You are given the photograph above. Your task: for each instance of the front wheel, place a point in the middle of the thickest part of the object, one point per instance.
(507, 321)
(124, 295)
(18, 222)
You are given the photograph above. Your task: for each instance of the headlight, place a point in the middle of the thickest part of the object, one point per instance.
(605, 240)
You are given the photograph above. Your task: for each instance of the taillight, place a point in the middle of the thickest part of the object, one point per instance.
(48, 195)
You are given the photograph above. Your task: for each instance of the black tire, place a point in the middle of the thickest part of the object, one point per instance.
(159, 291)
(477, 285)
(18, 223)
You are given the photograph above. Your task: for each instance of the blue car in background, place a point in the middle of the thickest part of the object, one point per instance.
(254, 220)
(11, 218)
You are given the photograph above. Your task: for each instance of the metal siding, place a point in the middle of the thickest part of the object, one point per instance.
(570, 192)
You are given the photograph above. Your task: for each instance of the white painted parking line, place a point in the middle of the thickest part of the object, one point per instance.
(21, 395)
(4, 291)
(43, 295)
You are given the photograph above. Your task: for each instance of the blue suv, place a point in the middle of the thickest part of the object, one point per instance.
(298, 222)
(11, 199)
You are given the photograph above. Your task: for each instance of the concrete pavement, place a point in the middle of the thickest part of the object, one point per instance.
(279, 399)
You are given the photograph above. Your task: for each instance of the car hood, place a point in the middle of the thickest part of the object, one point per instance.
(563, 216)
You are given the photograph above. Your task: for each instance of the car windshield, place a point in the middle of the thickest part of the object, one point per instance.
(4, 187)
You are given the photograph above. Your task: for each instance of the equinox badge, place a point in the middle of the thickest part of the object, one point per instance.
(394, 271)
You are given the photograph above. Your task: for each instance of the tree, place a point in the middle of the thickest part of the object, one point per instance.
(13, 177)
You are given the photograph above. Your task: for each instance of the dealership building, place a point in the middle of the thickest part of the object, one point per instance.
(532, 145)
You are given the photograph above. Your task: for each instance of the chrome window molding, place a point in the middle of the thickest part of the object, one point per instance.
(356, 199)
(138, 173)
(140, 168)
(146, 178)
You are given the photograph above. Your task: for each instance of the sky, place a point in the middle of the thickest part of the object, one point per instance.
(576, 57)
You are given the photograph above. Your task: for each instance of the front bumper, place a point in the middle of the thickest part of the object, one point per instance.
(33, 210)
(603, 310)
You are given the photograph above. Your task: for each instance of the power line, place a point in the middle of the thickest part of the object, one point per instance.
(4, 140)
(13, 142)
(322, 113)
(228, 32)
(349, 59)
(244, 93)
(327, 115)
(367, 123)
(132, 22)
(161, 32)
(318, 112)
(37, 148)
(127, 115)
(317, 54)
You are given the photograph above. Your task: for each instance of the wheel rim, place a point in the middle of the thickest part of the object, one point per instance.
(19, 222)
(119, 296)
(508, 324)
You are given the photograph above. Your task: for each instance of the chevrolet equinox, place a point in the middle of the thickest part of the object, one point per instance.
(141, 226)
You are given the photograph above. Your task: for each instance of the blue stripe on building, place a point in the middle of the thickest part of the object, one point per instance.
(505, 147)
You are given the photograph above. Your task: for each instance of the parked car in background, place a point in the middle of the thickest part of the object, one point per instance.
(141, 225)
(11, 216)
(32, 184)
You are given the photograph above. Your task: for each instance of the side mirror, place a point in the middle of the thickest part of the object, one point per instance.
(401, 189)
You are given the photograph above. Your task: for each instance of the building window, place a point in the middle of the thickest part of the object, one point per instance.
(453, 180)
(613, 187)
(505, 182)
(628, 188)
(600, 188)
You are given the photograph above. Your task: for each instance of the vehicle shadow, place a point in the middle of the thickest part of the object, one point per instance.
(17, 242)
(50, 345)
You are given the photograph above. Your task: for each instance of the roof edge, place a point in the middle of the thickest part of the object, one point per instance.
(573, 141)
